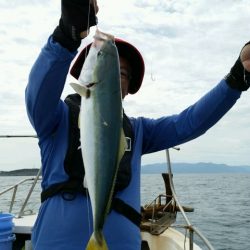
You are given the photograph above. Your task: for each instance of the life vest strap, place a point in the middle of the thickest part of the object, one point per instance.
(67, 190)
(126, 210)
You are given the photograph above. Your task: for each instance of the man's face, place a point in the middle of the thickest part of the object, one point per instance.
(125, 71)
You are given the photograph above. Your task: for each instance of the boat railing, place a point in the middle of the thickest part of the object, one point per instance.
(191, 229)
(159, 200)
(158, 215)
(15, 187)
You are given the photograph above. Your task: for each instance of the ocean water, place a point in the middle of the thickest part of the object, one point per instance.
(221, 203)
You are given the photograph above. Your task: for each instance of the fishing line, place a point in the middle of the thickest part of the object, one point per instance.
(86, 53)
(88, 25)
(95, 9)
(152, 76)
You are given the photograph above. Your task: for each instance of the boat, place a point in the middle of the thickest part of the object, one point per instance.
(158, 228)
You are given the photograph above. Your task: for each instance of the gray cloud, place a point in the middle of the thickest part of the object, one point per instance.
(188, 47)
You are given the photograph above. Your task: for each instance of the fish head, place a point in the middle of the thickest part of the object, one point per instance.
(86, 74)
(108, 65)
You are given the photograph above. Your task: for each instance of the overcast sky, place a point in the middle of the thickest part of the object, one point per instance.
(188, 47)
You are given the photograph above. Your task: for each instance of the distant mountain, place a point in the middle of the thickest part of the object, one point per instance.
(194, 168)
(20, 172)
(187, 168)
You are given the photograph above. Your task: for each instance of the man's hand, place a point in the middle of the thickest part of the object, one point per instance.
(245, 57)
(239, 75)
(77, 16)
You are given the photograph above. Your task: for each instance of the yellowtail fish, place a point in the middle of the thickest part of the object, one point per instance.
(103, 141)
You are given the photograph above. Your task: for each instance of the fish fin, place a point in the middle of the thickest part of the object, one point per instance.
(97, 243)
(79, 120)
(80, 89)
(123, 145)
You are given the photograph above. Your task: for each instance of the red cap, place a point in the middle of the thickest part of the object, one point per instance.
(125, 50)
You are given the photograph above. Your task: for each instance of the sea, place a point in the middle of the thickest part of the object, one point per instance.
(221, 204)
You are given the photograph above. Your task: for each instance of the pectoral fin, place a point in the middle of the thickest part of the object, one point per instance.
(80, 89)
(122, 146)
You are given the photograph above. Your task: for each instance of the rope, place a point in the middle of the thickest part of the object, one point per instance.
(18, 136)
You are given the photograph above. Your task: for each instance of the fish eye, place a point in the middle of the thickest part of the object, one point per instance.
(100, 53)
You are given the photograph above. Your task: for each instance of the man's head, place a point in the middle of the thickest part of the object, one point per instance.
(131, 66)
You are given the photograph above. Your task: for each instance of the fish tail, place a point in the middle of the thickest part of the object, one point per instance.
(97, 242)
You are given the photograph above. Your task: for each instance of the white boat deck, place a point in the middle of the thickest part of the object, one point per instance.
(170, 239)
(24, 224)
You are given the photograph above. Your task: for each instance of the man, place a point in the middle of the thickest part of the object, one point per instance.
(64, 220)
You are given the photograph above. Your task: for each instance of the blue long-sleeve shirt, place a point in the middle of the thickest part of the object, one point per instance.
(63, 224)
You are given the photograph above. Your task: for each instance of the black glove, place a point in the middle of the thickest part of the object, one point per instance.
(73, 21)
(238, 77)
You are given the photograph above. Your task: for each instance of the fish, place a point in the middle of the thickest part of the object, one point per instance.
(102, 137)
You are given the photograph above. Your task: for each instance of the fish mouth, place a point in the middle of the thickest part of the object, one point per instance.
(90, 85)
(102, 37)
